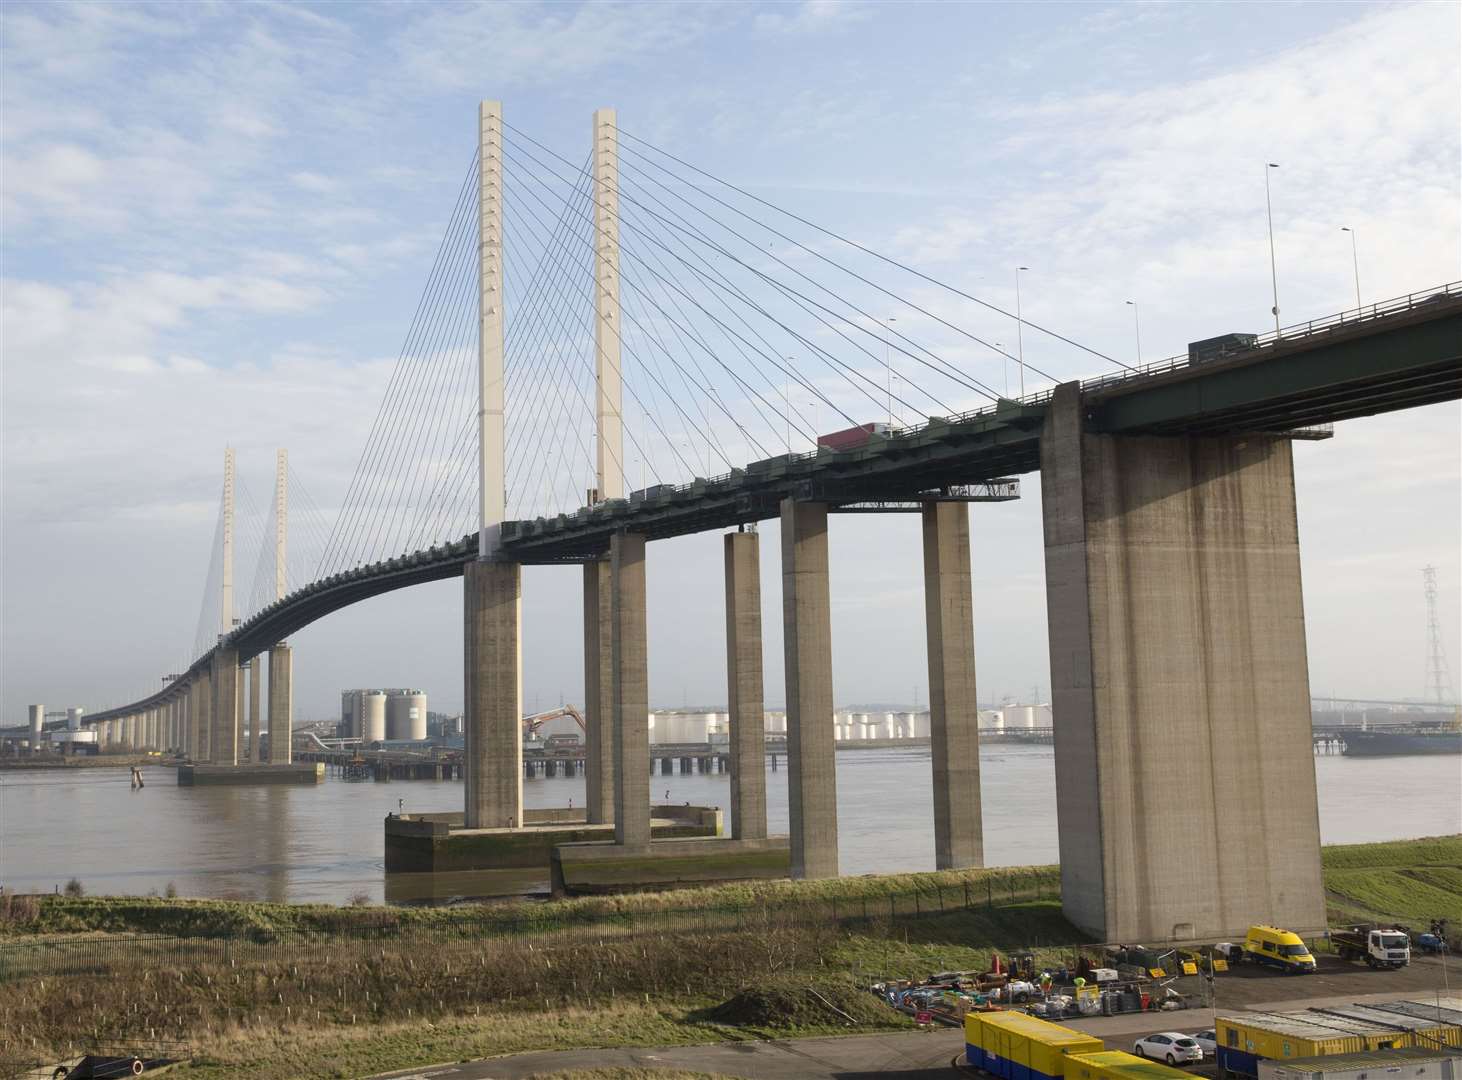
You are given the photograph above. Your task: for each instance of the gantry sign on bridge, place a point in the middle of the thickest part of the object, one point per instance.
(1175, 614)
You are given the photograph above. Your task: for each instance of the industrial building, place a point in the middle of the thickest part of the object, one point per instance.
(380, 715)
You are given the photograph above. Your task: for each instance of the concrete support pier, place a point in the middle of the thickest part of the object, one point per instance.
(598, 705)
(493, 674)
(225, 747)
(203, 725)
(255, 734)
(812, 794)
(1179, 683)
(954, 742)
(630, 690)
(281, 704)
(744, 686)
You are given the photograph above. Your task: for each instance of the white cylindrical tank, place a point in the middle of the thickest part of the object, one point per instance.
(73, 719)
(37, 721)
(370, 716)
(406, 714)
(921, 726)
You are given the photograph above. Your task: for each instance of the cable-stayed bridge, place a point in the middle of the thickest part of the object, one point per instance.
(624, 347)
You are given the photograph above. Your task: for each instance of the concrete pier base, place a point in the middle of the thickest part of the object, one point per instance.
(281, 704)
(953, 714)
(812, 794)
(744, 687)
(493, 674)
(593, 869)
(1179, 683)
(302, 772)
(438, 843)
(598, 702)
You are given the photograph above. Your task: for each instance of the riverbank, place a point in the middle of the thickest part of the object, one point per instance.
(54, 762)
(279, 990)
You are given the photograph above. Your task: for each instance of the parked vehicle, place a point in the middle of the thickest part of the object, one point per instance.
(1207, 1042)
(1278, 948)
(1430, 943)
(1379, 947)
(1173, 1047)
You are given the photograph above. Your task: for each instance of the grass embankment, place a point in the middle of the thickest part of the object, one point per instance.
(1410, 882)
(318, 991)
(300, 991)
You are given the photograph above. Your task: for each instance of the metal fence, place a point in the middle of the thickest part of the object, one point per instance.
(359, 933)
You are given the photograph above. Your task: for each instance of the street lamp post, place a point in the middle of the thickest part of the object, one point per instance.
(1354, 262)
(1273, 272)
(1019, 335)
(1136, 325)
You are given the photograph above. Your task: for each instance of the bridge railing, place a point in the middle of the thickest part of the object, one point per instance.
(1327, 324)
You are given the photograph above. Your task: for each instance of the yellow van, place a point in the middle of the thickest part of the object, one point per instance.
(1278, 948)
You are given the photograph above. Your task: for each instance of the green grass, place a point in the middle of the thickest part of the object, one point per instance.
(122, 914)
(1410, 882)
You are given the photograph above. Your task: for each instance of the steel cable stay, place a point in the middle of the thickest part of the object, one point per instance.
(952, 373)
(774, 360)
(563, 302)
(380, 443)
(330, 557)
(393, 487)
(538, 417)
(860, 247)
(802, 300)
(558, 280)
(669, 397)
(806, 305)
(532, 416)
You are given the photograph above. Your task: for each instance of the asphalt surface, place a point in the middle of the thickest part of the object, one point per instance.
(917, 1055)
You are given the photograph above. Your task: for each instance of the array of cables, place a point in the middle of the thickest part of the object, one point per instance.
(743, 331)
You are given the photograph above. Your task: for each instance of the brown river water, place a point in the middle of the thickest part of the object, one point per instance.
(324, 843)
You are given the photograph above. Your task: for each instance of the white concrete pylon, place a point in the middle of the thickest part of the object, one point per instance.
(226, 615)
(281, 521)
(491, 433)
(608, 412)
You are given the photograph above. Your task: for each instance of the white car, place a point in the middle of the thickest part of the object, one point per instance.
(1171, 1046)
(1207, 1042)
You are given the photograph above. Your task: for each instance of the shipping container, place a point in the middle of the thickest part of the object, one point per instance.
(1118, 1065)
(1411, 1063)
(1014, 1046)
(852, 438)
(1243, 1042)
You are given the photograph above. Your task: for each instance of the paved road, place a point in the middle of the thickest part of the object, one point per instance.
(911, 1055)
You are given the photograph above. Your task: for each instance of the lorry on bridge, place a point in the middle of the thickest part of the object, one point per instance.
(1378, 946)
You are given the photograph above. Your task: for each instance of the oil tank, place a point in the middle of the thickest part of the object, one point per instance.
(370, 715)
(406, 714)
(37, 721)
(73, 719)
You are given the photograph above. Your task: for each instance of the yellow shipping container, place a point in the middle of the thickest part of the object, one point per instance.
(1014, 1046)
(1118, 1065)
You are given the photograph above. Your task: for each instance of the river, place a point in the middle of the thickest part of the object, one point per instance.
(324, 843)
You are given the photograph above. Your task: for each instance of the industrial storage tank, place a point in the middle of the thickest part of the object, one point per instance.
(406, 715)
(73, 719)
(348, 720)
(370, 715)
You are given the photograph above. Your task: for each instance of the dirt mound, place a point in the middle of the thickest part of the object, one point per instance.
(795, 1004)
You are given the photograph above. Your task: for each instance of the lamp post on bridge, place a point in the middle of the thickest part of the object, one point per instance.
(1019, 335)
(1273, 272)
(1354, 262)
(1137, 326)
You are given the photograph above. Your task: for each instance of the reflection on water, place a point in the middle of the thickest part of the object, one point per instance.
(324, 842)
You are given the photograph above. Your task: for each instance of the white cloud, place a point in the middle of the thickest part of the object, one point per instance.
(314, 182)
(812, 17)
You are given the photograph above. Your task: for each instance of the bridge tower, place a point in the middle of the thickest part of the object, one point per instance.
(493, 592)
(599, 709)
(224, 683)
(281, 656)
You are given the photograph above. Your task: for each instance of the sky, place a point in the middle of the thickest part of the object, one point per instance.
(218, 219)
